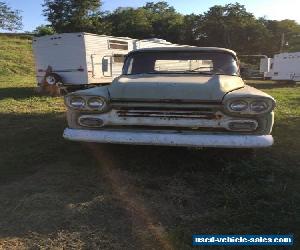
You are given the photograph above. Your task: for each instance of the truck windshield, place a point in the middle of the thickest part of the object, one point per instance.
(173, 62)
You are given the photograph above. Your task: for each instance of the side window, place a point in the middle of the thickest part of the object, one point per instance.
(117, 44)
(105, 65)
(118, 58)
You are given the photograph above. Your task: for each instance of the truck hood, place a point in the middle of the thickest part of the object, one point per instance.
(173, 87)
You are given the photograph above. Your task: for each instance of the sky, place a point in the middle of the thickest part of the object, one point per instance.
(271, 9)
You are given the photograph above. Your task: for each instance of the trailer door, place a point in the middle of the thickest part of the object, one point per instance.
(102, 66)
(107, 66)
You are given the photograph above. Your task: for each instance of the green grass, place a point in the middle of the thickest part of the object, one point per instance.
(16, 56)
(59, 194)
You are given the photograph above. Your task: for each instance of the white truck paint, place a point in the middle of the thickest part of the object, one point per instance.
(283, 67)
(169, 139)
(84, 58)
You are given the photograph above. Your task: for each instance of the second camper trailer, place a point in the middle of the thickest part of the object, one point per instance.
(284, 67)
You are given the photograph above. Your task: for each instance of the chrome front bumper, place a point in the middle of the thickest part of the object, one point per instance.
(169, 138)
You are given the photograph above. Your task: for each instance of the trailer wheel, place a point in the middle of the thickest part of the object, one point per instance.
(52, 84)
(52, 79)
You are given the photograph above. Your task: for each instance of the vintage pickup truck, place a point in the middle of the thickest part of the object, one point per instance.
(175, 96)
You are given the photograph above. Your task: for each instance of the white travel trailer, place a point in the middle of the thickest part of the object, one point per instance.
(283, 67)
(76, 60)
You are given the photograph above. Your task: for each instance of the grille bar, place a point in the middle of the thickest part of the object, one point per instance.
(167, 114)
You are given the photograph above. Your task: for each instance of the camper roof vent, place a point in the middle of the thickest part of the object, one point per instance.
(157, 40)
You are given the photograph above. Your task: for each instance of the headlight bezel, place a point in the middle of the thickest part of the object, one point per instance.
(264, 103)
(270, 105)
(87, 99)
(246, 105)
(78, 98)
(96, 98)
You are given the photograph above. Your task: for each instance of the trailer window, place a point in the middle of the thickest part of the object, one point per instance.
(105, 65)
(118, 58)
(117, 44)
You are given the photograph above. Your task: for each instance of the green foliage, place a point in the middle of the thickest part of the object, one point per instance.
(165, 21)
(9, 19)
(189, 31)
(153, 20)
(130, 22)
(230, 26)
(283, 35)
(294, 43)
(74, 15)
(43, 30)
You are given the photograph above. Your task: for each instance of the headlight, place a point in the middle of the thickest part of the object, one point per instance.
(250, 106)
(259, 106)
(96, 103)
(238, 105)
(77, 102)
(92, 103)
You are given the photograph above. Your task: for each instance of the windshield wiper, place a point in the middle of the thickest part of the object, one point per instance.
(199, 72)
(223, 74)
(210, 73)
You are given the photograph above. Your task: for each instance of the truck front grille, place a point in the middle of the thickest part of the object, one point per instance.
(165, 113)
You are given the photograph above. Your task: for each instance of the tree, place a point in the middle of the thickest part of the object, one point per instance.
(75, 15)
(152, 20)
(130, 22)
(9, 19)
(43, 30)
(231, 26)
(166, 22)
(188, 33)
(284, 35)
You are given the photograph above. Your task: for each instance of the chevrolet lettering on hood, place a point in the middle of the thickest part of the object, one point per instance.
(174, 96)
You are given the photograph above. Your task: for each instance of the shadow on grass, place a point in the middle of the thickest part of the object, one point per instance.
(29, 141)
(52, 187)
(17, 93)
(58, 190)
(161, 160)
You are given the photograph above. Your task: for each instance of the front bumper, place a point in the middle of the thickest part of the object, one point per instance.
(169, 138)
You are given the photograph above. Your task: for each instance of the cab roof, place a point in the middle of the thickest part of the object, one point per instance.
(185, 48)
